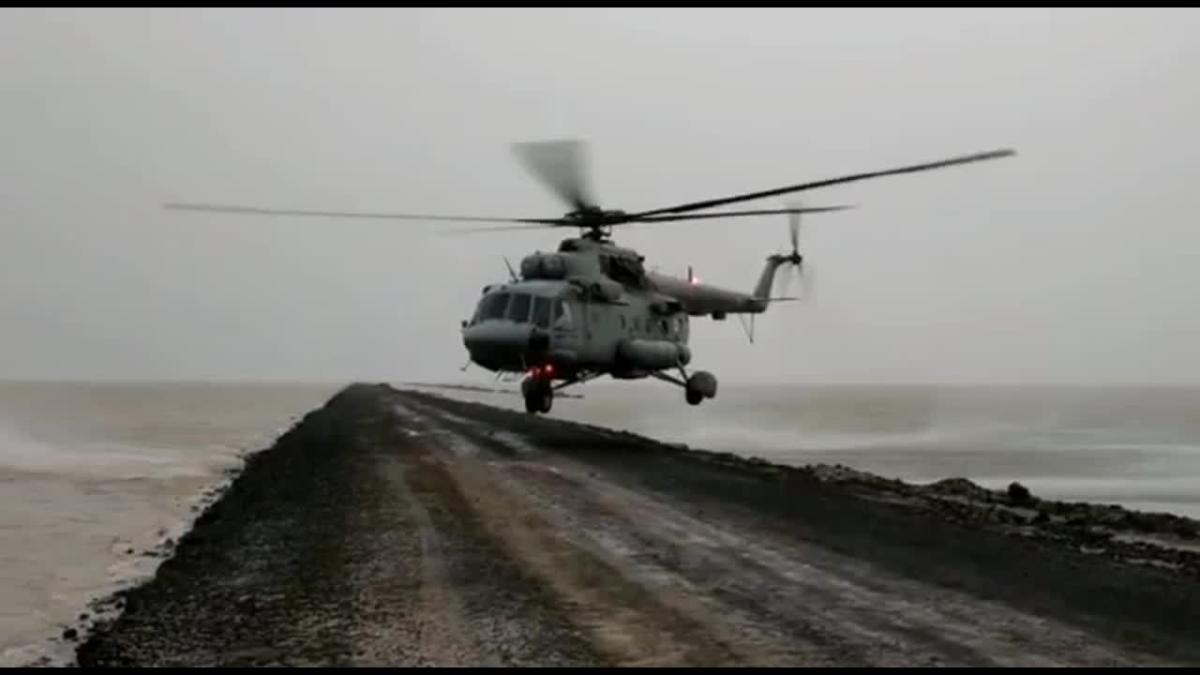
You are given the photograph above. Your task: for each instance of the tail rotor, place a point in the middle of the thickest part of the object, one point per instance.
(793, 264)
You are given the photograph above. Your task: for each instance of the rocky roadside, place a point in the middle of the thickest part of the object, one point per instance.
(1157, 539)
(316, 555)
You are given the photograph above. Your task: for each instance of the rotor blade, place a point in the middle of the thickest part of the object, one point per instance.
(253, 210)
(653, 219)
(480, 230)
(785, 278)
(560, 165)
(696, 206)
(729, 214)
(460, 387)
(794, 223)
(480, 389)
(807, 287)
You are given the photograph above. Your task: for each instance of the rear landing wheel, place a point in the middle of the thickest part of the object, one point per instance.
(699, 386)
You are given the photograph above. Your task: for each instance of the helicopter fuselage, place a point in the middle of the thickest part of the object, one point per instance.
(560, 329)
(590, 309)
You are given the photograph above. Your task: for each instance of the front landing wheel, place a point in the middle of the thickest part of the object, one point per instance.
(539, 397)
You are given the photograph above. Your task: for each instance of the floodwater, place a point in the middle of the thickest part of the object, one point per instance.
(94, 475)
(1139, 447)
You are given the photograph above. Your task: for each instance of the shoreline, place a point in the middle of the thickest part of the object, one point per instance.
(142, 561)
(1165, 543)
(1058, 460)
(1098, 519)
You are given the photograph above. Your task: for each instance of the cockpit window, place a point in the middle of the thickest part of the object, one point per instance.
(541, 312)
(518, 311)
(492, 306)
(562, 315)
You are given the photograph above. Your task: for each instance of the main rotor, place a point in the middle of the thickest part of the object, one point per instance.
(560, 166)
(594, 222)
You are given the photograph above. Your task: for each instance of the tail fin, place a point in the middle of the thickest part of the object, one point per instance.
(762, 290)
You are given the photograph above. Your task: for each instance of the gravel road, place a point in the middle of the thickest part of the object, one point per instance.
(398, 528)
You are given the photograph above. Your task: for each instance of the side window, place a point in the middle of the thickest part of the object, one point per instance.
(518, 310)
(562, 315)
(541, 312)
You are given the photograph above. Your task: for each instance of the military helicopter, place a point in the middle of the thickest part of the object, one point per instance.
(591, 309)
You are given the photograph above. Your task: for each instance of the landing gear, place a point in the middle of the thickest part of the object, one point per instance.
(697, 387)
(701, 385)
(539, 396)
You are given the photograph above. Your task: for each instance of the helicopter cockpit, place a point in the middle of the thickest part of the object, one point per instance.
(519, 306)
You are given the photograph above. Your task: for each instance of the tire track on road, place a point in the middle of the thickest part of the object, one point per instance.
(492, 601)
(630, 625)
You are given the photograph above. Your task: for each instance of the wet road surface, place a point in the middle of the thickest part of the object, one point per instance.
(396, 528)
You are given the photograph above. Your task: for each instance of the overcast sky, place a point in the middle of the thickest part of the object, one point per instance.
(1076, 261)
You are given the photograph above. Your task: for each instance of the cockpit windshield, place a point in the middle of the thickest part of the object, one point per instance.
(493, 306)
(541, 312)
(545, 313)
(518, 309)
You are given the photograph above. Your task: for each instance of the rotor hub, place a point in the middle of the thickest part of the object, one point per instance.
(597, 221)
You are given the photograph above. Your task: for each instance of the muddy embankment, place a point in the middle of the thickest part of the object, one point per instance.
(401, 528)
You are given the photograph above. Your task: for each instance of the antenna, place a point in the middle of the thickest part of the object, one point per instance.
(748, 330)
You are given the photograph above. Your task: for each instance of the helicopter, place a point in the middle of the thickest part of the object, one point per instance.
(590, 308)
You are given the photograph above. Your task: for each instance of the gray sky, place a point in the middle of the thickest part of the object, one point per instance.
(1076, 261)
